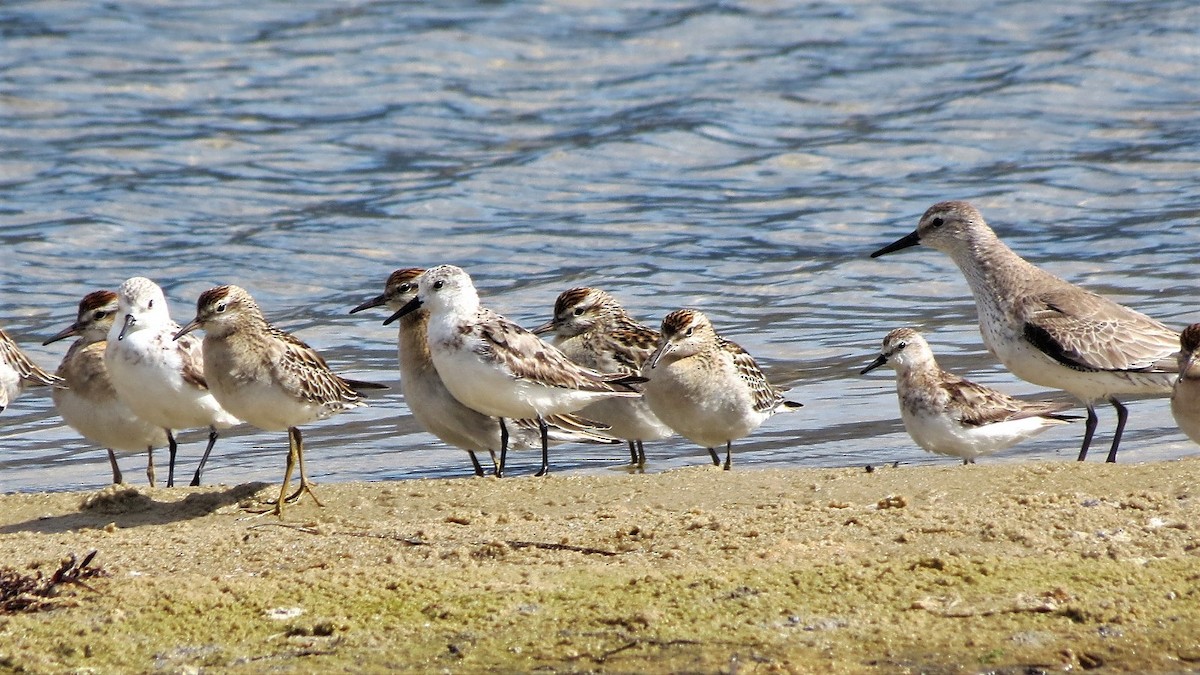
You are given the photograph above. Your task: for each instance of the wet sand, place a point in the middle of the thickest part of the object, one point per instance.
(992, 567)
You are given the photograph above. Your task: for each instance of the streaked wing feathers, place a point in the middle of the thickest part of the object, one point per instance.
(766, 396)
(527, 357)
(977, 405)
(308, 376)
(27, 370)
(1088, 332)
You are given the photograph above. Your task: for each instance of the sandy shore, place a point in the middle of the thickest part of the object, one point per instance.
(995, 568)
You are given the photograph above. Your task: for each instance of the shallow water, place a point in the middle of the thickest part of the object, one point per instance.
(741, 158)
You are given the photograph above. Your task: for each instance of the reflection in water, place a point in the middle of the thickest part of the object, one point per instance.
(740, 159)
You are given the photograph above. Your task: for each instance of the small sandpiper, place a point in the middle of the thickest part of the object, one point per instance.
(436, 409)
(948, 415)
(593, 330)
(1045, 330)
(18, 372)
(707, 388)
(496, 367)
(161, 380)
(89, 404)
(1185, 399)
(267, 377)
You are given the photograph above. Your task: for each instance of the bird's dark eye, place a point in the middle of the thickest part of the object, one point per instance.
(902, 345)
(937, 222)
(578, 311)
(437, 285)
(220, 307)
(689, 332)
(404, 288)
(98, 314)
(150, 305)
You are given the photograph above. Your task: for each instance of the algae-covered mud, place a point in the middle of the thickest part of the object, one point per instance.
(996, 568)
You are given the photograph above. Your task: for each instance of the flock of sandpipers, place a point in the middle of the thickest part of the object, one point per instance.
(481, 382)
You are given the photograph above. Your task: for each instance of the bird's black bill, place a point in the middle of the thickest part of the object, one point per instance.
(377, 301)
(67, 332)
(129, 321)
(879, 361)
(912, 239)
(192, 325)
(412, 306)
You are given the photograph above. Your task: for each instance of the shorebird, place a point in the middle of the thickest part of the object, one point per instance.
(1045, 330)
(267, 377)
(161, 380)
(89, 404)
(948, 415)
(1185, 399)
(17, 372)
(498, 368)
(707, 388)
(593, 330)
(436, 409)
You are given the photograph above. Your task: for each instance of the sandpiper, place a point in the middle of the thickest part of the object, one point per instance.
(17, 372)
(436, 409)
(1185, 399)
(707, 388)
(1045, 330)
(498, 368)
(89, 404)
(161, 380)
(948, 415)
(593, 330)
(268, 377)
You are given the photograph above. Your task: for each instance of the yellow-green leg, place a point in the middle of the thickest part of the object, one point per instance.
(287, 474)
(297, 442)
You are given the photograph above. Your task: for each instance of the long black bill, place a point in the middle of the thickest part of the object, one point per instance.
(412, 306)
(377, 301)
(912, 239)
(879, 361)
(67, 332)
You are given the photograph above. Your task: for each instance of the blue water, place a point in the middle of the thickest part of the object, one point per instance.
(741, 158)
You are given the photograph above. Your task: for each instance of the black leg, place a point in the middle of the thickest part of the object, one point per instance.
(1089, 428)
(1122, 415)
(112, 461)
(633, 453)
(212, 439)
(475, 463)
(542, 427)
(503, 449)
(641, 455)
(172, 446)
(715, 457)
(728, 455)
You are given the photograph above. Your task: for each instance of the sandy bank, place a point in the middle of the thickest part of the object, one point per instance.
(941, 569)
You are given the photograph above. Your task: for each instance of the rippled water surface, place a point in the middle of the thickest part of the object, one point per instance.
(741, 158)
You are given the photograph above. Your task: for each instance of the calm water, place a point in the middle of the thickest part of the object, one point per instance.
(742, 158)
